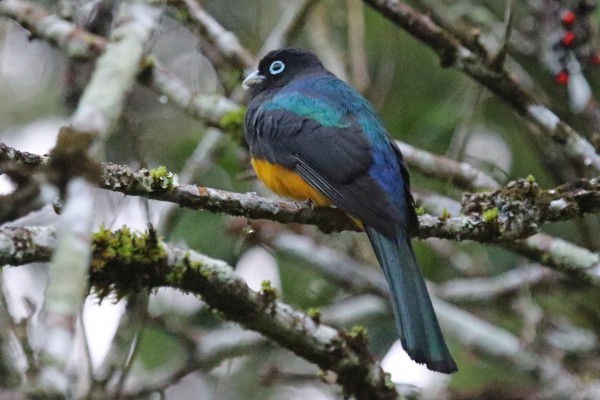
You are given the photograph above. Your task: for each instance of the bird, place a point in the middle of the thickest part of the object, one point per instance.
(312, 137)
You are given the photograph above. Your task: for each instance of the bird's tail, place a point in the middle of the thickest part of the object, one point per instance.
(415, 319)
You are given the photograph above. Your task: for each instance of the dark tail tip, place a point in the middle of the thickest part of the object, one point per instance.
(445, 365)
(417, 324)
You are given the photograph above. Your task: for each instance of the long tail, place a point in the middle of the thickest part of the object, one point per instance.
(415, 319)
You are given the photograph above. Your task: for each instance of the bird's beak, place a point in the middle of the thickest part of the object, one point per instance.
(253, 79)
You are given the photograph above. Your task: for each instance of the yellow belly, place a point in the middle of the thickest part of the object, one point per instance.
(287, 183)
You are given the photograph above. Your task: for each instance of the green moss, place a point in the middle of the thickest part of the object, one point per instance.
(204, 272)
(124, 261)
(268, 292)
(490, 215)
(356, 338)
(545, 258)
(315, 314)
(388, 381)
(445, 215)
(125, 246)
(233, 121)
(420, 210)
(177, 272)
(160, 178)
(357, 331)
(530, 178)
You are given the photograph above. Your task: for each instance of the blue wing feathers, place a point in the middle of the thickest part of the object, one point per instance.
(332, 103)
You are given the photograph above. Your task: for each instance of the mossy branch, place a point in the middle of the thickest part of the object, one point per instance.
(124, 262)
(513, 212)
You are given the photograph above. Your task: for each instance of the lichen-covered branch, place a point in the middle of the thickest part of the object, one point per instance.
(507, 218)
(479, 227)
(564, 202)
(125, 262)
(160, 185)
(512, 212)
(213, 109)
(462, 175)
(76, 42)
(561, 255)
(226, 41)
(473, 60)
(491, 288)
(555, 253)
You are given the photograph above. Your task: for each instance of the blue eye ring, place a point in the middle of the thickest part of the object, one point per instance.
(276, 67)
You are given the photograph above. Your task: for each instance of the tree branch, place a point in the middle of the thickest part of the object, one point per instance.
(561, 255)
(471, 59)
(512, 212)
(462, 175)
(214, 110)
(124, 262)
(226, 41)
(491, 288)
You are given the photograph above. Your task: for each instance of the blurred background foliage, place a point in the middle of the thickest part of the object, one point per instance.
(437, 109)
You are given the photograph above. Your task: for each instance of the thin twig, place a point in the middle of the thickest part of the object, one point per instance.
(226, 41)
(498, 61)
(289, 24)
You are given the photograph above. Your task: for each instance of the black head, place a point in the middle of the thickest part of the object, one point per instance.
(279, 67)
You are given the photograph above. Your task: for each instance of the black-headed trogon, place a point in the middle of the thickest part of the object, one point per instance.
(312, 136)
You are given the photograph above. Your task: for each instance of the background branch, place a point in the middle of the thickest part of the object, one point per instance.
(470, 59)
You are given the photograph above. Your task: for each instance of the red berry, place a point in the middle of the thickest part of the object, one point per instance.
(562, 78)
(595, 58)
(568, 39)
(567, 18)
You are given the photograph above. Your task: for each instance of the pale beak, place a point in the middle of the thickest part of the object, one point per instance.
(253, 79)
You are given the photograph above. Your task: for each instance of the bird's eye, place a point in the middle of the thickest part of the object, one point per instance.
(276, 67)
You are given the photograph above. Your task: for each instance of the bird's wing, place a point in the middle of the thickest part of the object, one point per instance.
(333, 159)
(412, 221)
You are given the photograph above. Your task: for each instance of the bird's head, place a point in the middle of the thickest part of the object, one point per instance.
(279, 67)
